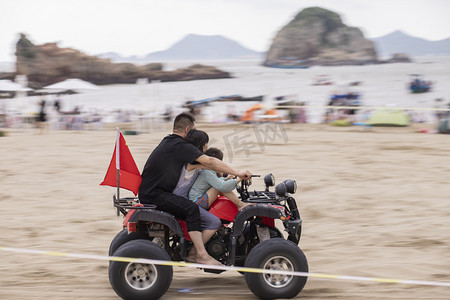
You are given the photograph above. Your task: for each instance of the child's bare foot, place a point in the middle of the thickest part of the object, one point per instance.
(208, 260)
(192, 257)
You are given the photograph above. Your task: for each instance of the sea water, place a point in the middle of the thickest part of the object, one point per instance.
(380, 85)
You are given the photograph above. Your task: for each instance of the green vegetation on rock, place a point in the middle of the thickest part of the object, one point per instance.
(25, 47)
(310, 15)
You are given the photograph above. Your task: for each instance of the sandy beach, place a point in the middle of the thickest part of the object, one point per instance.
(373, 202)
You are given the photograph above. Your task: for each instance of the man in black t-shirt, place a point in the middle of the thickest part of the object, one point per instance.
(160, 177)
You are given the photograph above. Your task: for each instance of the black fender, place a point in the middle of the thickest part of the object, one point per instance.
(157, 216)
(252, 211)
(294, 228)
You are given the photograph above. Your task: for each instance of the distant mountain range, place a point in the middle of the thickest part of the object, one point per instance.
(217, 47)
(194, 47)
(400, 42)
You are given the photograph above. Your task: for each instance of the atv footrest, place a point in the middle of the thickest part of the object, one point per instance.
(215, 271)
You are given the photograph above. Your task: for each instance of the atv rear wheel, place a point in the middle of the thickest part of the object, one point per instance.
(281, 255)
(123, 237)
(134, 280)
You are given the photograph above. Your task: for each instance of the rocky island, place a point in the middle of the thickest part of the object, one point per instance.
(48, 63)
(317, 36)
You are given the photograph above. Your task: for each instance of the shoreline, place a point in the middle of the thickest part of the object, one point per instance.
(133, 125)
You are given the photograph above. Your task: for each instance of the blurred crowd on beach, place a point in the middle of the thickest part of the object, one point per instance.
(51, 114)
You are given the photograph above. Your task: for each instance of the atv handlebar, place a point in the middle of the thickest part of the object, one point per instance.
(243, 188)
(226, 174)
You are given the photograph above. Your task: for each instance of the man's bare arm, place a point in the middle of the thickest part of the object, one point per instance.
(217, 165)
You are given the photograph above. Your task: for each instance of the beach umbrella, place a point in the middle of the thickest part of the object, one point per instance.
(10, 86)
(73, 84)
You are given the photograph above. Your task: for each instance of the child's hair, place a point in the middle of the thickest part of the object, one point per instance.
(198, 138)
(214, 152)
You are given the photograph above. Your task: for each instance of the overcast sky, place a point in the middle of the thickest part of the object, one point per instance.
(138, 27)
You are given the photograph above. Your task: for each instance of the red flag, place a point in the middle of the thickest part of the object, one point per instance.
(129, 178)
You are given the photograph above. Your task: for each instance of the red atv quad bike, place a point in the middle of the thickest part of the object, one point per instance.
(247, 238)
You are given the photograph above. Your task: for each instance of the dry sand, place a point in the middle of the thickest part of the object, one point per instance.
(374, 203)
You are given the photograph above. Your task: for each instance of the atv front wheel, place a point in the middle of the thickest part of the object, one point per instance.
(281, 255)
(133, 280)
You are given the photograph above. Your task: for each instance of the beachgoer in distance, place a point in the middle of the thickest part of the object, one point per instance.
(208, 185)
(42, 117)
(160, 177)
(57, 104)
(438, 105)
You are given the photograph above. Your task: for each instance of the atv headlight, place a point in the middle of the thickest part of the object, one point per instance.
(291, 185)
(269, 180)
(281, 189)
